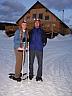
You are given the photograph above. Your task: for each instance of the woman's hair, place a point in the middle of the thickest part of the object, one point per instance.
(20, 25)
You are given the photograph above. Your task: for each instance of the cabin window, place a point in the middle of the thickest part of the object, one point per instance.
(46, 17)
(40, 16)
(34, 16)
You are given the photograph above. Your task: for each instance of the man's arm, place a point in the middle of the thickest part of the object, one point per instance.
(44, 38)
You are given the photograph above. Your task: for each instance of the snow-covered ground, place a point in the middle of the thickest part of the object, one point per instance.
(57, 69)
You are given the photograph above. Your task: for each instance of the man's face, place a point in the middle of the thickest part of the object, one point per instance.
(24, 26)
(37, 24)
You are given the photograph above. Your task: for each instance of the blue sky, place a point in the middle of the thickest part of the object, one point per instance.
(11, 10)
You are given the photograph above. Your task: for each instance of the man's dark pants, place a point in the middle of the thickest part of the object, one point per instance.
(39, 55)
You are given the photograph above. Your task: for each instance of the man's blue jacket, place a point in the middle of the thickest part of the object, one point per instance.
(37, 39)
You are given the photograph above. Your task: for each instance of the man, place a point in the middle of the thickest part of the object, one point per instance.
(37, 41)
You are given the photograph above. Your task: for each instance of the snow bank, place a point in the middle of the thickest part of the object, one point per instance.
(62, 38)
(57, 69)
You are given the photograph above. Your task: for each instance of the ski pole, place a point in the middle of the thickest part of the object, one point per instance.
(23, 61)
(28, 61)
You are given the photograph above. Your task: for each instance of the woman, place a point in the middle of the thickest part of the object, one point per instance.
(20, 44)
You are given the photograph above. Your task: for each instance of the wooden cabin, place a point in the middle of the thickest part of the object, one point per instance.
(9, 28)
(51, 24)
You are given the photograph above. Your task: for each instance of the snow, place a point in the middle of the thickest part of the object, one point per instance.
(62, 38)
(57, 69)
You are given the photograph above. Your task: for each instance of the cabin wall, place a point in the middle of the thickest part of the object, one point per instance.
(49, 22)
(10, 30)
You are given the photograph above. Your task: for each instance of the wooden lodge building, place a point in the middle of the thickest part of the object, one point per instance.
(51, 24)
(9, 28)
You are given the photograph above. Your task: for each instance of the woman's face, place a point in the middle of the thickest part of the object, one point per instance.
(24, 26)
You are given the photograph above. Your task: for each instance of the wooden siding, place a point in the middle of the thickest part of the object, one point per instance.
(52, 25)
